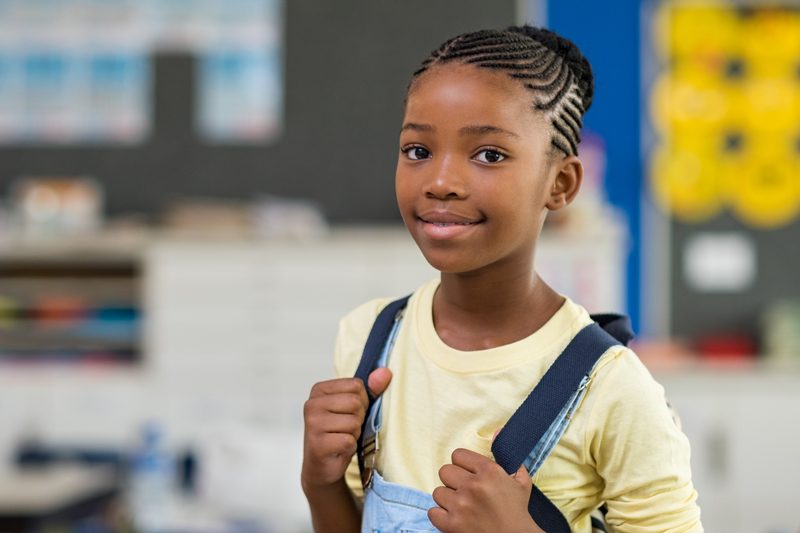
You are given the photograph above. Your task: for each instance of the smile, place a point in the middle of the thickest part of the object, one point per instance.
(442, 226)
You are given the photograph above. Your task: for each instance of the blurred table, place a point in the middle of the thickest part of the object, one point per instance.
(32, 496)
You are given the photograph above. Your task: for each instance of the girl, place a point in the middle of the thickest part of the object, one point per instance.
(488, 146)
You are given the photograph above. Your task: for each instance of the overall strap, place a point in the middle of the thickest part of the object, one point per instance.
(529, 423)
(372, 351)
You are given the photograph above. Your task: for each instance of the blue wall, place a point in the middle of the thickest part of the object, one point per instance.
(607, 32)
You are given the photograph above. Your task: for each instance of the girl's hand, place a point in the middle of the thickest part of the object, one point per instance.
(478, 495)
(333, 416)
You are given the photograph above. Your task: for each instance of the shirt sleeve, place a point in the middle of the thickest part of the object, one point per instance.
(641, 454)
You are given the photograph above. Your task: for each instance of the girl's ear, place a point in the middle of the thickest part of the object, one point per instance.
(567, 182)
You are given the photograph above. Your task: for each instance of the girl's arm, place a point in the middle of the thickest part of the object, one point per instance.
(333, 417)
(641, 454)
(333, 509)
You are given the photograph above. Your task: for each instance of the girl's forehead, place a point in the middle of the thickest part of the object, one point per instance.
(465, 92)
(458, 73)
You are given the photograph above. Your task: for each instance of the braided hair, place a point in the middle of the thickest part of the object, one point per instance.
(550, 66)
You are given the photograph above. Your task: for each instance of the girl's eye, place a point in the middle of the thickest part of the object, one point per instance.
(416, 153)
(490, 156)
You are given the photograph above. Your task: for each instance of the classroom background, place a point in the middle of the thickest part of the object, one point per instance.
(193, 192)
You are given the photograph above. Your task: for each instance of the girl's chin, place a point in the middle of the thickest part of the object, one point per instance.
(448, 262)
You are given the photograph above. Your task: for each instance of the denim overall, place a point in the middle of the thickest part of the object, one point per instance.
(390, 507)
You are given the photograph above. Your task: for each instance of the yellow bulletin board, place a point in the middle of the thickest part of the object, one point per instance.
(724, 106)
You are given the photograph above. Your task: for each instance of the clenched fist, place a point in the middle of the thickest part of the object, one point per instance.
(334, 414)
(479, 496)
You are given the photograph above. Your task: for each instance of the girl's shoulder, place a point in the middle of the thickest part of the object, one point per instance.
(354, 329)
(358, 322)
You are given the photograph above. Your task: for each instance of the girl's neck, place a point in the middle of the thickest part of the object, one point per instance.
(486, 309)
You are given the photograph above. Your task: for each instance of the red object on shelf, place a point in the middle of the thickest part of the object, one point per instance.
(60, 312)
(726, 347)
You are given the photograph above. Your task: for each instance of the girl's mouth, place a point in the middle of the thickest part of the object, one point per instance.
(445, 226)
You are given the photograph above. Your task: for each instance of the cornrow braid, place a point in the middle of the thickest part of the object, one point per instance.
(549, 65)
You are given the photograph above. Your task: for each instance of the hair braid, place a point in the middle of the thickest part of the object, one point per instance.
(551, 66)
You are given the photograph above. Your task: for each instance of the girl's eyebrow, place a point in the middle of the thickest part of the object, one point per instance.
(417, 127)
(480, 130)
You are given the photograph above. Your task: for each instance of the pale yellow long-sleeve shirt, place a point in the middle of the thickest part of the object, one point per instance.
(622, 446)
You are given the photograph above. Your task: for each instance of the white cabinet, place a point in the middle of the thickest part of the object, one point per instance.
(744, 427)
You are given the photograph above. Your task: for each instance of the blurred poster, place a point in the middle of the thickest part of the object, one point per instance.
(178, 25)
(118, 103)
(11, 95)
(53, 97)
(240, 78)
(79, 71)
(239, 95)
(114, 23)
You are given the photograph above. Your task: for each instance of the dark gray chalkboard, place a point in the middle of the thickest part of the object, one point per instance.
(778, 258)
(347, 63)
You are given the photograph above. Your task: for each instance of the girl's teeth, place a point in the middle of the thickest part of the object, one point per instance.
(452, 224)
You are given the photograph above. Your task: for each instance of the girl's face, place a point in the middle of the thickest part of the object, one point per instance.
(474, 175)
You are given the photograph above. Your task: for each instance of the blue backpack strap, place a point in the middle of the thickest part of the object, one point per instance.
(372, 351)
(377, 338)
(532, 419)
(618, 326)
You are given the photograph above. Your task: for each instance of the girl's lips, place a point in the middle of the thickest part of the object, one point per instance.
(446, 230)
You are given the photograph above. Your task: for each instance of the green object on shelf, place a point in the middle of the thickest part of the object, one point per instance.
(9, 312)
(781, 330)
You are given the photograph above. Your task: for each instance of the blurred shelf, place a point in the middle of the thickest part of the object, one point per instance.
(71, 300)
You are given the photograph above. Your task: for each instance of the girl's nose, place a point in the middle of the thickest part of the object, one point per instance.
(446, 181)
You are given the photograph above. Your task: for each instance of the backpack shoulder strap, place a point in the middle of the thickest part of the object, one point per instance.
(377, 339)
(378, 336)
(618, 326)
(532, 419)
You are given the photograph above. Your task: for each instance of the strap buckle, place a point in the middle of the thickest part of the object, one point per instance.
(367, 457)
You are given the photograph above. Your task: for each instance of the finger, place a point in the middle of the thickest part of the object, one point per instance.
(469, 460)
(496, 433)
(335, 444)
(444, 497)
(522, 477)
(318, 412)
(338, 386)
(378, 381)
(346, 403)
(453, 476)
(341, 386)
(439, 518)
(340, 423)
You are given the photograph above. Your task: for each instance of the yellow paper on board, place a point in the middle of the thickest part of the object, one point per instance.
(690, 99)
(763, 191)
(685, 182)
(705, 29)
(770, 105)
(770, 42)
